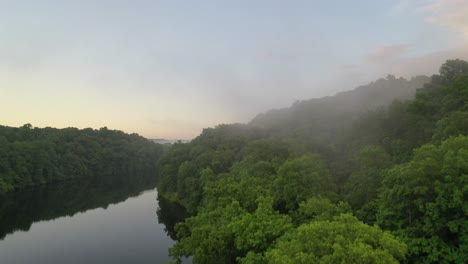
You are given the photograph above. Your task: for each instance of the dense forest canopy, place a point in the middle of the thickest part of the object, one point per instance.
(34, 156)
(378, 174)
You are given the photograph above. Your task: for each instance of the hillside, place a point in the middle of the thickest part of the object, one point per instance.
(31, 156)
(338, 179)
(329, 117)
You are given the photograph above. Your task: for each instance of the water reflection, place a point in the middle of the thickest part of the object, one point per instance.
(87, 222)
(19, 210)
(169, 214)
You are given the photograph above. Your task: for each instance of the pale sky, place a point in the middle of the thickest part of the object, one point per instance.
(169, 68)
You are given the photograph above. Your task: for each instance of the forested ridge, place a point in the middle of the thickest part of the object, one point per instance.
(384, 181)
(328, 118)
(31, 156)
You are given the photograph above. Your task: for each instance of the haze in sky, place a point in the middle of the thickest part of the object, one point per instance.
(168, 68)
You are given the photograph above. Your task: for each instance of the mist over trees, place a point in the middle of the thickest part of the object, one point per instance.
(330, 117)
(377, 174)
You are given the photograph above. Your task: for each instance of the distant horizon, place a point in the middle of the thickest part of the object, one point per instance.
(95, 128)
(189, 139)
(168, 69)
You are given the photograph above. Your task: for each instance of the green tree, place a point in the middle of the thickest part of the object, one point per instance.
(365, 181)
(255, 232)
(343, 240)
(453, 125)
(452, 69)
(35, 156)
(208, 236)
(319, 209)
(299, 179)
(424, 201)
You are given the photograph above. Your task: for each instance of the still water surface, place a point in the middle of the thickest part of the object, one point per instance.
(97, 225)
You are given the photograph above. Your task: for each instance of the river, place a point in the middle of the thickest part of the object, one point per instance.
(83, 223)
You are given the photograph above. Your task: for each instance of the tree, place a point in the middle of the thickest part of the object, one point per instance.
(453, 125)
(255, 232)
(343, 240)
(319, 209)
(35, 156)
(453, 68)
(207, 237)
(424, 201)
(365, 181)
(299, 179)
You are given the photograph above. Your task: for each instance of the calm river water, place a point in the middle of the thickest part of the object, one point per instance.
(71, 223)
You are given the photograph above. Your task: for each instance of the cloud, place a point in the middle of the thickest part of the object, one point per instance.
(387, 53)
(426, 64)
(404, 60)
(347, 66)
(452, 14)
(407, 65)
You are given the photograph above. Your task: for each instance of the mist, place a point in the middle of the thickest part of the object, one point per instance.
(130, 64)
(266, 131)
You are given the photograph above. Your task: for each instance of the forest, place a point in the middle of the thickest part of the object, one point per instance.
(374, 175)
(31, 156)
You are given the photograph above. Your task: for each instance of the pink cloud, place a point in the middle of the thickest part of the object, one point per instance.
(386, 53)
(427, 64)
(452, 14)
(397, 60)
(436, 6)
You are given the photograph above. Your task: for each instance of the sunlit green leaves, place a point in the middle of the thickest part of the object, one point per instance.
(341, 240)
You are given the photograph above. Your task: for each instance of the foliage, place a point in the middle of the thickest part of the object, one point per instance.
(341, 240)
(425, 202)
(365, 180)
(256, 231)
(294, 184)
(319, 209)
(208, 237)
(229, 233)
(453, 125)
(299, 179)
(34, 156)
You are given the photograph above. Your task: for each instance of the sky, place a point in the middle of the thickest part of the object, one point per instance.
(169, 68)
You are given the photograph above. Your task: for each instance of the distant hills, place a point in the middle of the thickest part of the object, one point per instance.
(168, 141)
(330, 116)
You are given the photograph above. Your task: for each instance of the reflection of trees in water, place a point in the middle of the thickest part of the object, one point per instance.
(169, 214)
(19, 210)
